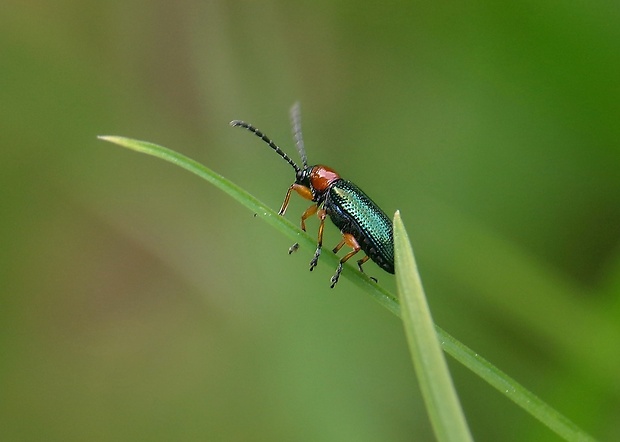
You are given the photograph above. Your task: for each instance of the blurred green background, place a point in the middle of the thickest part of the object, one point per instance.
(140, 303)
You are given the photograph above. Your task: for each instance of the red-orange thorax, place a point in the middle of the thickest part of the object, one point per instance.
(321, 177)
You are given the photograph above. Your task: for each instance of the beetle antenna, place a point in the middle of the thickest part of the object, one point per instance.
(267, 140)
(299, 140)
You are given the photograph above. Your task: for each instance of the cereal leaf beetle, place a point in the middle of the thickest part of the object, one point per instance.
(364, 226)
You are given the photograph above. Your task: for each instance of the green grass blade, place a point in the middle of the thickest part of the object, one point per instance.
(516, 392)
(381, 295)
(491, 374)
(442, 403)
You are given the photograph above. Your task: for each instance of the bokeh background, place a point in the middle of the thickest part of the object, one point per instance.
(140, 303)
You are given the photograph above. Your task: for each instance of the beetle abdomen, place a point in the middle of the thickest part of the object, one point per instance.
(353, 212)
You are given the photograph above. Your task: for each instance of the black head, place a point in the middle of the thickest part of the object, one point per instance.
(301, 175)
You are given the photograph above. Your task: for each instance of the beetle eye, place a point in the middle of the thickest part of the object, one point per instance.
(301, 176)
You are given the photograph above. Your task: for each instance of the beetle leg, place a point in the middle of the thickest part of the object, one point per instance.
(339, 246)
(287, 198)
(306, 193)
(321, 214)
(349, 240)
(307, 214)
(303, 191)
(362, 261)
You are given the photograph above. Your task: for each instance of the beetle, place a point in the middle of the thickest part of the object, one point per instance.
(364, 226)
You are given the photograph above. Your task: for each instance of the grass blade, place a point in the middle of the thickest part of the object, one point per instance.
(381, 295)
(442, 403)
(470, 359)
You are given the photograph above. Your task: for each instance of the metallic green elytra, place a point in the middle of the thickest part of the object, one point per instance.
(352, 211)
(364, 226)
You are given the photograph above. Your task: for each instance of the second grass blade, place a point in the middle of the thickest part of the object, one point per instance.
(442, 403)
